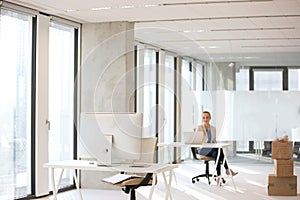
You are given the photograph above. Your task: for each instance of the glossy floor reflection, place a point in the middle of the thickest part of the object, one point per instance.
(251, 183)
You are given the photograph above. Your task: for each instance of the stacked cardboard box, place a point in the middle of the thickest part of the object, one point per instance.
(283, 182)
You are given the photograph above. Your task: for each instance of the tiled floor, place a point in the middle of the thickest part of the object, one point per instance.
(251, 183)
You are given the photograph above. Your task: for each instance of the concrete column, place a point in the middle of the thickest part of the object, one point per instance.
(220, 76)
(107, 70)
(107, 78)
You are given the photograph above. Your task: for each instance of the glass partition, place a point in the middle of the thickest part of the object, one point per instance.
(251, 118)
(252, 115)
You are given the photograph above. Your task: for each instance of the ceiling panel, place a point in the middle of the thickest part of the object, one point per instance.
(227, 31)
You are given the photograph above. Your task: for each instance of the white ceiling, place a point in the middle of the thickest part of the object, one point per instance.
(249, 32)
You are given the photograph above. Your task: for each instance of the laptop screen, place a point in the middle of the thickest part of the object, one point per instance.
(193, 137)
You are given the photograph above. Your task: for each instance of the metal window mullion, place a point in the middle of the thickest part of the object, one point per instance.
(33, 102)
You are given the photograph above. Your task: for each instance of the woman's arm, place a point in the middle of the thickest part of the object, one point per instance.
(213, 134)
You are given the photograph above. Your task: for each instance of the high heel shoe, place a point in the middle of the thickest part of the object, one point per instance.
(230, 172)
(219, 181)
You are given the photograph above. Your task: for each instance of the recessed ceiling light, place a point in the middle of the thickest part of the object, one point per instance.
(71, 10)
(192, 31)
(255, 29)
(101, 8)
(127, 6)
(250, 57)
(213, 47)
(231, 64)
(150, 5)
(212, 2)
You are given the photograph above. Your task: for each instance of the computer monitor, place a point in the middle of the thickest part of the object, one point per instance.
(126, 132)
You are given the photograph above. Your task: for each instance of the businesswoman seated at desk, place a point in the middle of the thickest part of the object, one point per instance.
(210, 137)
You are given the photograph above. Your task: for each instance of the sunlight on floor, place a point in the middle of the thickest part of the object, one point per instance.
(251, 183)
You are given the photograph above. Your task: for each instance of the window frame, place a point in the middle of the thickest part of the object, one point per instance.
(284, 70)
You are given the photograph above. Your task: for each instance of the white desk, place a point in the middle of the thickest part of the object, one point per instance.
(126, 168)
(219, 145)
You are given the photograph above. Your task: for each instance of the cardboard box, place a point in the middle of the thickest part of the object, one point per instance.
(282, 150)
(284, 167)
(282, 186)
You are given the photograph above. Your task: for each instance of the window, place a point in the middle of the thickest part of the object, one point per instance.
(199, 76)
(187, 75)
(15, 105)
(146, 73)
(268, 80)
(242, 80)
(61, 96)
(294, 79)
(169, 101)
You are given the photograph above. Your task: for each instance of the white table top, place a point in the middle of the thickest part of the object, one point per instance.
(92, 166)
(181, 144)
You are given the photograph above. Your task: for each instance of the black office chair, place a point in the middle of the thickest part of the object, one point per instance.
(130, 185)
(206, 160)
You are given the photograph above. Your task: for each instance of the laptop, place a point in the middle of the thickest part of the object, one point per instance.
(193, 137)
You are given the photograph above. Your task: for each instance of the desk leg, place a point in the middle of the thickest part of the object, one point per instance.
(170, 162)
(169, 154)
(153, 185)
(216, 164)
(55, 187)
(168, 184)
(53, 184)
(225, 160)
(77, 183)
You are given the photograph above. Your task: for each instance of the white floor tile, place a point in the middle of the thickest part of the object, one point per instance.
(251, 183)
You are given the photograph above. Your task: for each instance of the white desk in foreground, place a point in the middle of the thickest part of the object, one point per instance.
(126, 168)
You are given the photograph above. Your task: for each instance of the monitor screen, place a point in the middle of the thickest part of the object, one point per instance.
(126, 132)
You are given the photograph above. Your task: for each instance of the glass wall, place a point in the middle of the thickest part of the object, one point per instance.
(272, 80)
(15, 105)
(61, 96)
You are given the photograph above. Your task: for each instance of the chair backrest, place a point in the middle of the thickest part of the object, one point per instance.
(149, 146)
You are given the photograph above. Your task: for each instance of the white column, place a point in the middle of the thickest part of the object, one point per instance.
(41, 136)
